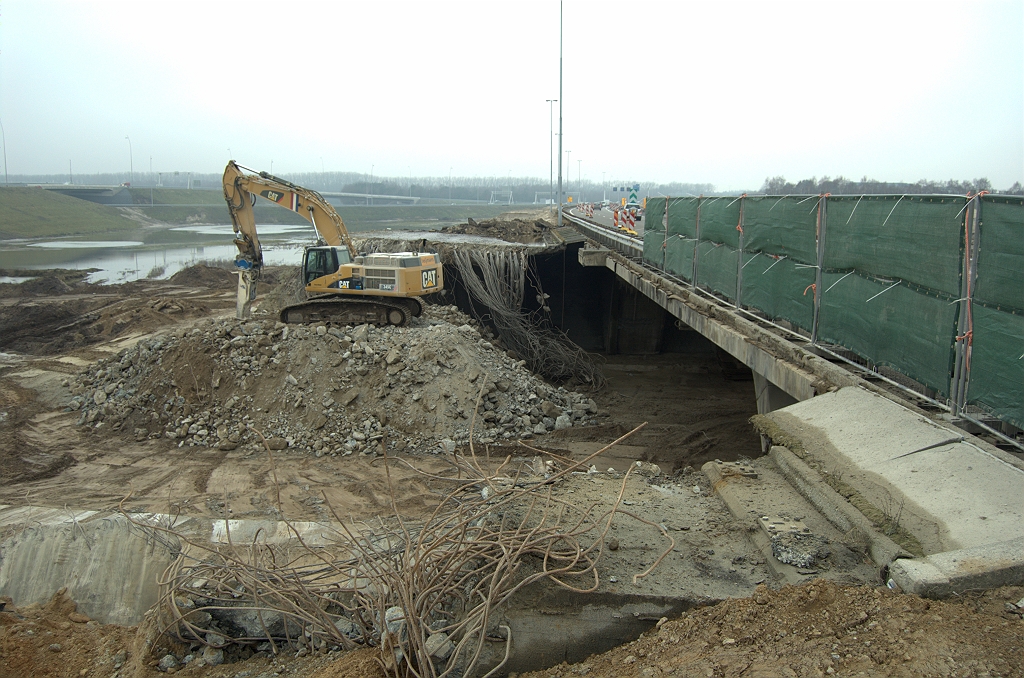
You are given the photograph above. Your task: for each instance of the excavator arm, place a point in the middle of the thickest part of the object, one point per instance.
(240, 192)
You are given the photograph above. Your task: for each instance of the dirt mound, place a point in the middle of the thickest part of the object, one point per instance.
(509, 230)
(286, 289)
(202, 275)
(824, 629)
(326, 390)
(813, 630)
(44, 286)
(63, 324)
(52, 282)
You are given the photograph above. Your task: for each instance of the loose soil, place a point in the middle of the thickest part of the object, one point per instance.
(153, 386)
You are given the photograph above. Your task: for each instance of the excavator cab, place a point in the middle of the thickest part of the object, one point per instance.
(322, 261)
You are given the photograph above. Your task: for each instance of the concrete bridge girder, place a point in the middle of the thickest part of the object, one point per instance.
(784, 372)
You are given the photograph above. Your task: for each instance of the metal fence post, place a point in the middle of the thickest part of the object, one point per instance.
(822, 224)
(664, 246)
(962, 363)
(739, 257)
(696, 244)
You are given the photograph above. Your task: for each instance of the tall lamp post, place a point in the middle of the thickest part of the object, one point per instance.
(560, 115)
(449, 185)
(579, 178)
(551, 149)
(369, 199)
(131, 162)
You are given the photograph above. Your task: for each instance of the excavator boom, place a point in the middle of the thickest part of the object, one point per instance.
(240, 191)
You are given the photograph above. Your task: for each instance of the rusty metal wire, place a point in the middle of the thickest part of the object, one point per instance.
(395, 584)
(496, 279)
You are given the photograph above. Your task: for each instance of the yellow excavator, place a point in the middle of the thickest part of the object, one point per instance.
(341, 285)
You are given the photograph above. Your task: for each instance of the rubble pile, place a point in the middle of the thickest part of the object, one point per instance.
(324, 389)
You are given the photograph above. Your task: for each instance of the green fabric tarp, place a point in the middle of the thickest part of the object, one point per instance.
(997, 364)
(890, 324)
(654, 232)
(1001, 254)
(682, 217)
(913, 238)
(777, 287)
(679, 257)
(719, 218)
(716, 268)
(785, 226)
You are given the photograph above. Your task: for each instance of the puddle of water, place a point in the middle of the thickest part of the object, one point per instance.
(264, 231)
(120, 261)
(85, 244)
(118, 267)
(163, 252)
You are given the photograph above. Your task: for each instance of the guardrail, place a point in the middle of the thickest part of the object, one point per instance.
(624, 244)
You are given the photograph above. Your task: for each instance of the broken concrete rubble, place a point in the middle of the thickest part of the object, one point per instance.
(337, 390)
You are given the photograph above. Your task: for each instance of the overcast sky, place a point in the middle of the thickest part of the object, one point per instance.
(726, 93)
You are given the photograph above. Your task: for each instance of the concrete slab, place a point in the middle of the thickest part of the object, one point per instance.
(946, 574)
(961, 498)
(971, 495)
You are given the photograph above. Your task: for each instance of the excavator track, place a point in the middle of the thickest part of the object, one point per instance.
(353, 310)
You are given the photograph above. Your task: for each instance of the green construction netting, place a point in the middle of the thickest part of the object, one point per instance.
(679, 257)
(997, 364)
(655, 212)
(913, 238)
(1000, 280)
(869, 241)
(776, 288)
(654, 232)
(682, 217)
(786, 226)
(719, 218)
(654, 251)
(910, 331)
(716, 267)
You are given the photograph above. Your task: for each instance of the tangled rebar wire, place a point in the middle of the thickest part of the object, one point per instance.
(428, 595)
(496, 278)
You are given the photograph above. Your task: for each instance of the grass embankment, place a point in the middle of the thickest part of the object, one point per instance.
(180, 206)
(37, 213)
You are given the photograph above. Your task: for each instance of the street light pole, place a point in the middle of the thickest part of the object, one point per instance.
(604, 192)
(71, 176)
(131, 162)
(449, 185)
(560, 114)
(579, 178)
(551, 149)
(369, 200)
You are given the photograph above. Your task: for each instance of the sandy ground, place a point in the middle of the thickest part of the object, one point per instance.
(694, 414)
